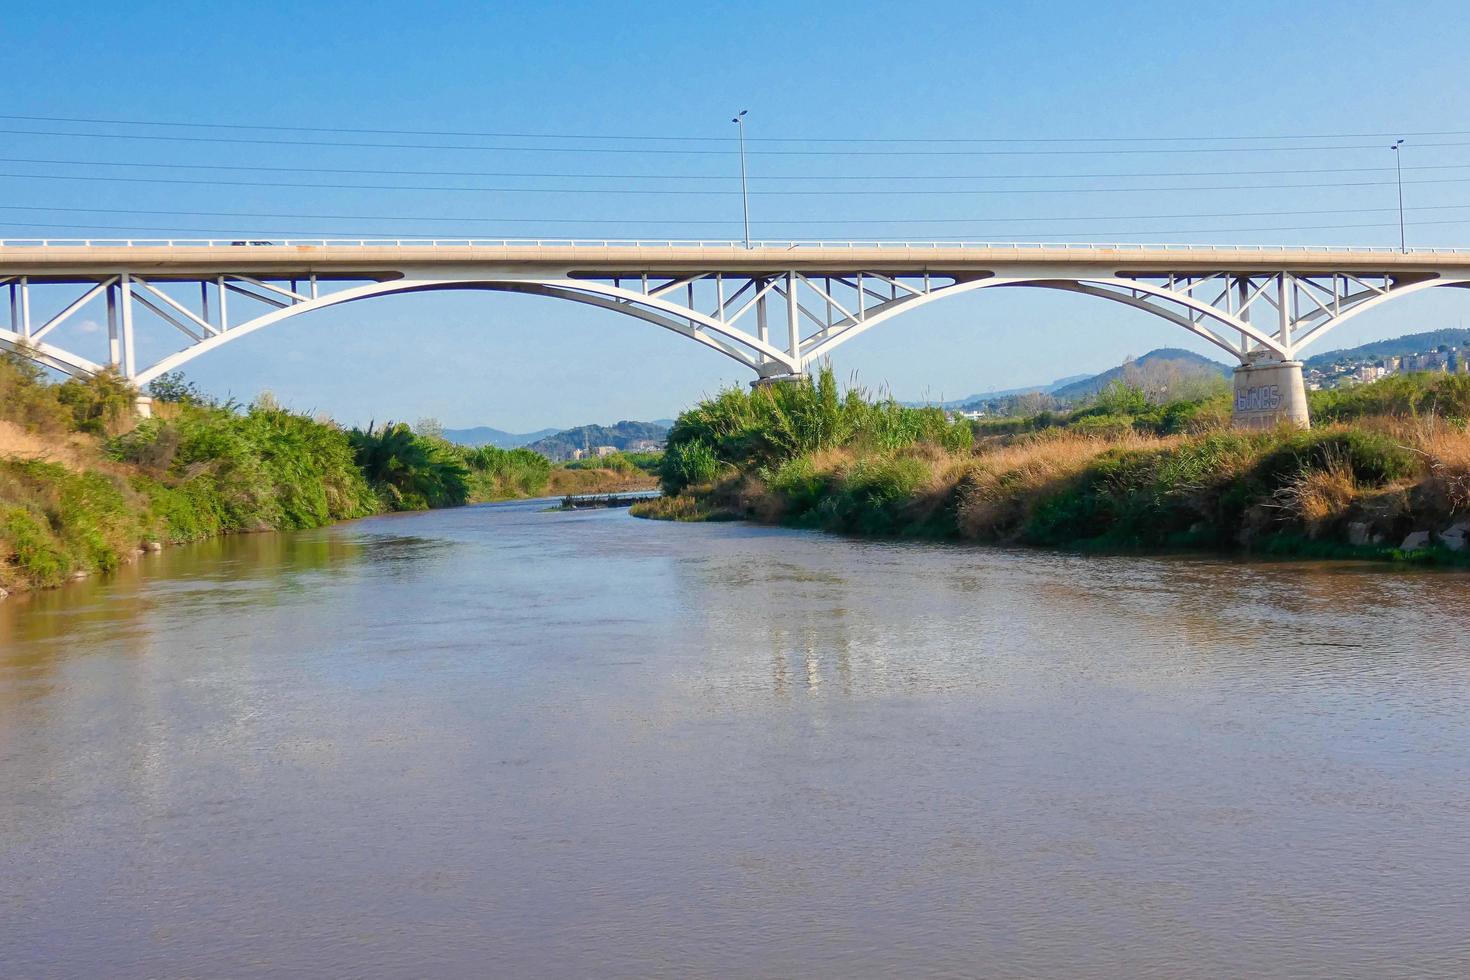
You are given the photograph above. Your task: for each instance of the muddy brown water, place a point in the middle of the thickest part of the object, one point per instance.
(506, 742)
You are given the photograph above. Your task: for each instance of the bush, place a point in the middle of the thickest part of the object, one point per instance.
(409, 471)
(1427, 394)
(27, 400)
(690, 462)
(172, 387)
(1372, 458)
(870, 496)
(500, 474)
(100, 404)
(57, 522)
(772, 424)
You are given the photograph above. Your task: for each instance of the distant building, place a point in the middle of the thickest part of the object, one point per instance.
(646, 446)
(604, 451)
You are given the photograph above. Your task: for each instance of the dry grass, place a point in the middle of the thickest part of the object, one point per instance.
(1319, 498)
(74, 451)
(1000, 486)
(564, 481)
(682, 507)
(1446, 452)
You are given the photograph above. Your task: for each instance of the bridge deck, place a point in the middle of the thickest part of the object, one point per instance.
(65, 259)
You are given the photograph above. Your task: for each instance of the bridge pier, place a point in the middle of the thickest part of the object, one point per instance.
(775, 379)
(143, 406)
(1269, 392)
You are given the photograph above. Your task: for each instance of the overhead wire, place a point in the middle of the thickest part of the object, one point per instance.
(635, 137)
(293, 216)
(695, 151)
(721, 193)
(728, 178)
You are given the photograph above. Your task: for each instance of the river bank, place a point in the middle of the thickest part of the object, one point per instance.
(1386, 475)
(85, 487)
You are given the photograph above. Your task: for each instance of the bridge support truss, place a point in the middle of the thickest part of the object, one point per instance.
(776, 320)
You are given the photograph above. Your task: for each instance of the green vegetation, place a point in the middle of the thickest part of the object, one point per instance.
(210, 470)
(756, 430)
(1399, 395)
(1121, 407)
(84, 485)
(619, 462)
(503, 474)
(1123, 472)
(408, 471)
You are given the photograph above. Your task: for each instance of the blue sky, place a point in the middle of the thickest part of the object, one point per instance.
(805, 71)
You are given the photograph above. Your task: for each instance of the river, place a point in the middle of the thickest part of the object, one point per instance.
(505, 742)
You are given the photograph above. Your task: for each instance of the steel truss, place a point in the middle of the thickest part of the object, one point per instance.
(775, 323)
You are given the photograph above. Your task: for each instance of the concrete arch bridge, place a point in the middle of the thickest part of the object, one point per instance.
(775, 307)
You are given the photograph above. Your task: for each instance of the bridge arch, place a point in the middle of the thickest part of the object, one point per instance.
(723, 336)
(688, 323)
(1125, 291)
(774, 308)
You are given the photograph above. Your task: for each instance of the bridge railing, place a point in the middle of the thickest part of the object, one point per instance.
(671, 243)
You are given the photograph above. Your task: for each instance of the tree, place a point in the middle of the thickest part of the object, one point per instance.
(172, 386)
(409, 471)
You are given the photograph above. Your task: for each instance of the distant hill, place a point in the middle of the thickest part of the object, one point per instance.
(1186, 362)
(1414, 343)
(986, 396)
(620, 435)
(483, 435)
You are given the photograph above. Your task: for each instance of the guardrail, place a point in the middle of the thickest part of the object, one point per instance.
(678, 243)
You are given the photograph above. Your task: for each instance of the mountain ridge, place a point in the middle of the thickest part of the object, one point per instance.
(620, 435)
(484, 435)
(1186, 359)
(1409, 343)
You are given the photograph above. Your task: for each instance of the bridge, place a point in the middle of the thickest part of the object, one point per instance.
(775, 307)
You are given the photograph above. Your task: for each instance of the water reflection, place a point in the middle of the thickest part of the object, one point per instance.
(509, 742)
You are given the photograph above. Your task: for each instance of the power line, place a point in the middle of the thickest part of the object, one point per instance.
(688, 151)
(719, 177)
(718, 193)
(720, 139)
(712, 221)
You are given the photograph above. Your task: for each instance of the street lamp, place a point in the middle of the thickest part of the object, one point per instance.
(739, 121)
(1399, 168)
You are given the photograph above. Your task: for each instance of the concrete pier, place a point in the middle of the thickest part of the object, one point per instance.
(1268, 393)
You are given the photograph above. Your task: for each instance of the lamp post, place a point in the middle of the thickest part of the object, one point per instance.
(1399, 169)
(739, 121)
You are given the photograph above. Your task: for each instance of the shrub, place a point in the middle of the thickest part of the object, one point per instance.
(1413, 395)
(498, 474)
(868, 497)
(1373, 459)
(172, 387)
(1318, 497)
(767, 426)
(100, 404)
(26, 399)
(56, 522)
(1447, 455)
(409, 471)
(688, 463)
